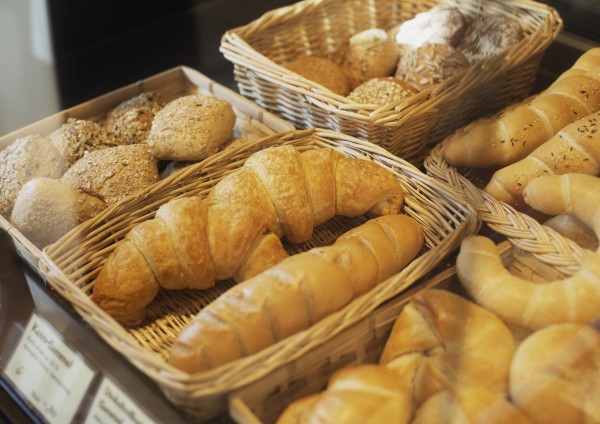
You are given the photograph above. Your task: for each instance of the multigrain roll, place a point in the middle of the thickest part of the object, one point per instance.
(322, 71)
(24, 159)
(130, 121)
(46, 209)
(115, 173)
(191, 128)
(381, 91)
(76, 137)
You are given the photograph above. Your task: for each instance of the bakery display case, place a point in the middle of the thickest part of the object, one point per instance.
(79, 345)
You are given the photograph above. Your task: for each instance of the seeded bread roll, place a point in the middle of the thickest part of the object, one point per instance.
(191, 128)
(430, 65)
(115, 173)
(369, 54)
(381, 91)
(24, 159)
(130, 121)
(46, 209)
(76, 137)
(490, 35)
(322, 71)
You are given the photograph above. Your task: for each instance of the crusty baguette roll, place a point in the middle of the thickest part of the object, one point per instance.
(296, 293)
(525, 303)
(575, 194)
(555, 375)
(575, 148)
(518, 130)
(193, 241)
(584, 63)
(469, 405)
(363, 394)
(441, 340)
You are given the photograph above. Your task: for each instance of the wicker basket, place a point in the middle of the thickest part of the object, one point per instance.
(407, 128)
(252, 122)
(71, 264)
(522, 229)
(264, 401)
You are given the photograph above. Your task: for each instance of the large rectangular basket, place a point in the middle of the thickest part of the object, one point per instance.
(406, 128)
(71, 264)
(252, 122)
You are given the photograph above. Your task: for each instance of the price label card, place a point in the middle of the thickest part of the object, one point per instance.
(112, 405)
(48, 373)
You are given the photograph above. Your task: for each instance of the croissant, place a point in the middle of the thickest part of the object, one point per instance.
(296, 293)
(518, 130)
(575, 194)
(575, 148)
(235, 230)
(525, 303)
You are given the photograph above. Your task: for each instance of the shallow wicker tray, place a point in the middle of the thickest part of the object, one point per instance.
(524, 230)
(252, 122)
(408, 128)
(71, 264)
(264, 401)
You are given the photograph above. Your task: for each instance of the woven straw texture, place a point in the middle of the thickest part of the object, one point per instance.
(408, 128)
(251, 122)
(264, 401)
(523, 230)
(71, 264)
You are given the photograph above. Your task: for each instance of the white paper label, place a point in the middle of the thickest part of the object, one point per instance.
(112, 405)
(48, 373)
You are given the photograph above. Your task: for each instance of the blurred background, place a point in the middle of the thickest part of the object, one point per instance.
(58, 53)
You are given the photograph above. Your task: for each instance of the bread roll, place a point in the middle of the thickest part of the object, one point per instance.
(131, 120)
(191, 128)
(525, 303)
(24, 159)
(491, 35)
(77, 137)
(584, 63)
(365, 394)
(381, 91)
(574, 229)
(296, 293)
(46, 209)
(115, 173)
(322, 71)
(441, 340)
(192, 242)
(555, 375)
(575, 148)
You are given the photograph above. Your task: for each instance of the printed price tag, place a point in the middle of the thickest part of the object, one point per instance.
(48, 373)
(112, 405)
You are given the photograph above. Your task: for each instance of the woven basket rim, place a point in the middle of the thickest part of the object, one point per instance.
(235, 48)
(242, 371)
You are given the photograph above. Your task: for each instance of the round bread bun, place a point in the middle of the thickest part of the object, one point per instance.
(76, 137)
(130, 121)
(24, 159)
(430, 65)
(46, 209)
(114, 173)
(381, 91)
(555, 375)
(191, 128)
(441, 340)
(490, 35)
(322, 71)
(370, 53)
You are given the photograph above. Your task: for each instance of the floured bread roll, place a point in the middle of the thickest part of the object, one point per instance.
(381, 91)
(115, 173)
(555, 375)
(46, 209)
(490, 35)
(191, 128)
(430, 65)
(130, 121)
(369, 54)
(322, 71)
(438, 25)
(76, 137)
(24, 159)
